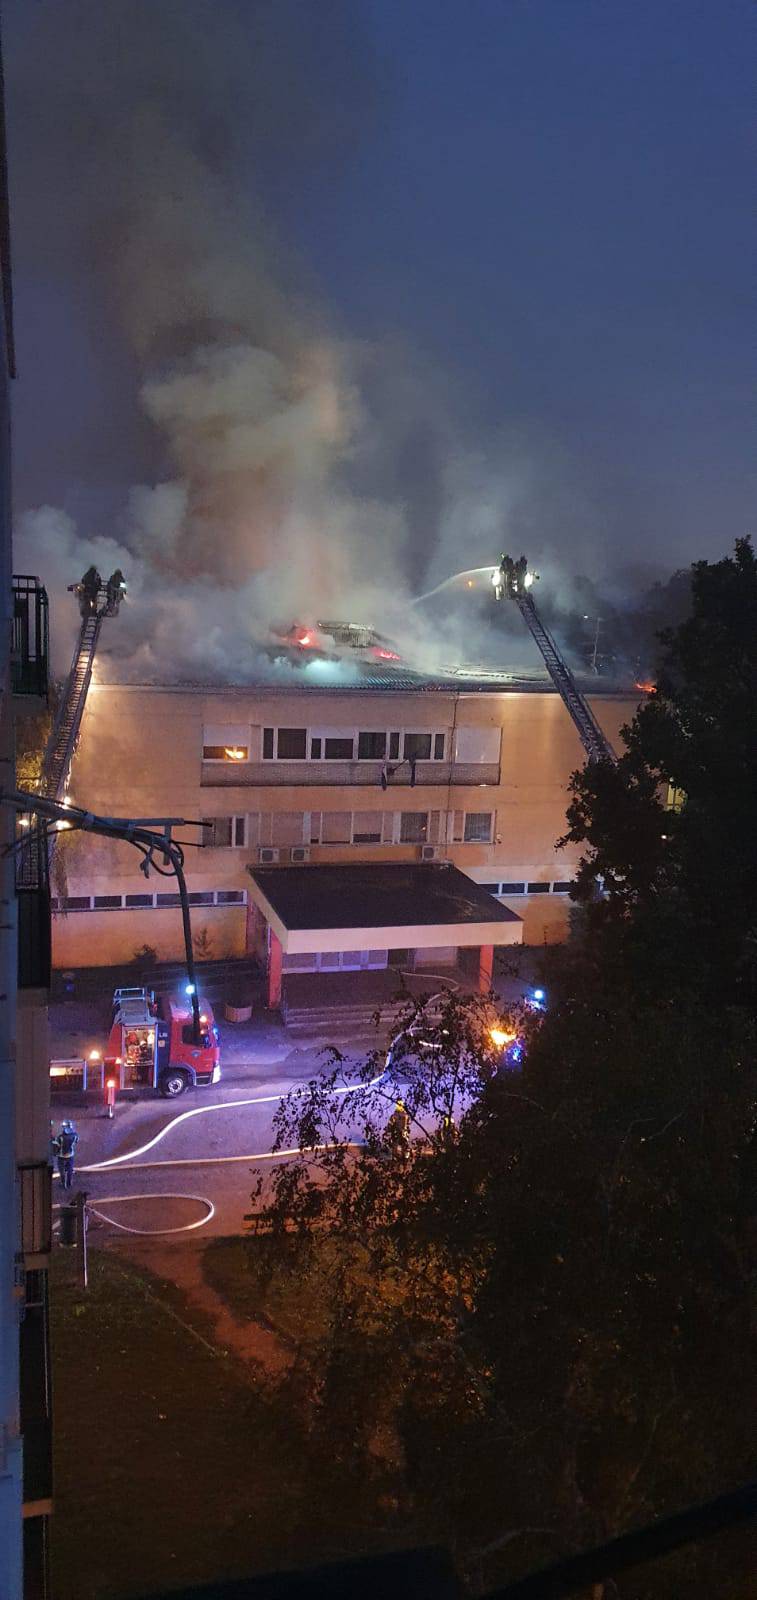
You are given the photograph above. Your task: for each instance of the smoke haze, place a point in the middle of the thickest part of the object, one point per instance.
(248, 460)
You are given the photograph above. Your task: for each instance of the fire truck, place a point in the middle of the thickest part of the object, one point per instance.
(152, 1044)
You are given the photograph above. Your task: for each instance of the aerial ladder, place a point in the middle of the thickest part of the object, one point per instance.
(97, 601)
(96, 604)
(512, 580)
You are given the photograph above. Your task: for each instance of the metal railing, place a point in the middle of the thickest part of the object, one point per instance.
(30, 642)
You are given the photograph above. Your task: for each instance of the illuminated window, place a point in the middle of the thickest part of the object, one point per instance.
(675, 799)
(225, 752)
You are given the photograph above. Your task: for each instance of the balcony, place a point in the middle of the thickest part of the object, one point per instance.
(33, 901)
(344, 774)
(30, 653)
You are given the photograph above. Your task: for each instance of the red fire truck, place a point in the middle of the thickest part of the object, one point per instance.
(152, 1044)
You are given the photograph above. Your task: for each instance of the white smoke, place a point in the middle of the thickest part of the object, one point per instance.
(271, 481)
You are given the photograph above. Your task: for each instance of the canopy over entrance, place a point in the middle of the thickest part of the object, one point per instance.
(317, 911)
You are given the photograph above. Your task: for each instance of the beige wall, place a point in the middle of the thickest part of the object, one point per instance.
(140, 755)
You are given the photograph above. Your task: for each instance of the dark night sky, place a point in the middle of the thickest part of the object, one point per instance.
(546, 206)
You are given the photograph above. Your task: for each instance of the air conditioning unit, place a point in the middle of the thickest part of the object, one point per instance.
(429, 852)
(266, 856)
(299, 852)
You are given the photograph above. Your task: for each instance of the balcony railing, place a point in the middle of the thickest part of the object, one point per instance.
(33, 900)
(344, 774)
(30, 651)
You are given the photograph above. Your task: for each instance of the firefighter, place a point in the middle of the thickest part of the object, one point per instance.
(88, 590)
(114, 590)
(519, 572)
(398, 1131)
(66, 1142)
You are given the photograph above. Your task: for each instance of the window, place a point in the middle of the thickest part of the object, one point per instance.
(512, 888)
(417, 747)
(225, 741)
(224, 832)
(332, 744)
(371, 746)
(291, 744)
(474, 745)
(366, 827)
(164, 900)
(336, 827)
(438, 746)
(413, 827)
(491, 888)
(228, 752)
(537, 888)
(286, 828)
(268, 744)
(107, 902)
(201, 897)
(394, 746)
(478, 827)
(338, 749)
(675, 799)
(230, 897)
(76, 902)
(134, 902)
(563, 887)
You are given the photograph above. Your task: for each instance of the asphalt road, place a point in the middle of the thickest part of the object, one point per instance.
(207, 1146)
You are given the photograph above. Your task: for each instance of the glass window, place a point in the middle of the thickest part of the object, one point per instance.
(201, 897)
(287, 827)
(168, 899)
(336, 827)
(537, 888)
(225, 752)
(240, 832)
(564, 887)
(371, 746)
(394, 746)
(513, 888)
(107, 902)
(230, 897)
(216, 832)
(338, 749)
(367, 827)
(478, 827)
(268, 744)
(76, 902)
(417, 747)
(316, 749)
(491, 888)
(137, 900)
(291, 744)
(438, 746)
(413, 827)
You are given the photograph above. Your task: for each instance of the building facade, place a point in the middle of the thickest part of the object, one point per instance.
(313, 776)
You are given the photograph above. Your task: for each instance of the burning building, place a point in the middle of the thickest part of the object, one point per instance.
(405, 777)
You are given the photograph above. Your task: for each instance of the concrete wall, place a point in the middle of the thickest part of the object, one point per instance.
(140, 754)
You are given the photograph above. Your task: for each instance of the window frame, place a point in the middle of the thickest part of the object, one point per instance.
(471, 814)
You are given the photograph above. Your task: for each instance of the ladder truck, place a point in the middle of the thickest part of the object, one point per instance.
(513, 580)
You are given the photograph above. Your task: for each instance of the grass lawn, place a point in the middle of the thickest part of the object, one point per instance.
(173, 1464)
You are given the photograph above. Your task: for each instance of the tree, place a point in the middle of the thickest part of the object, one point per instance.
(683, 883)
(520, 1314)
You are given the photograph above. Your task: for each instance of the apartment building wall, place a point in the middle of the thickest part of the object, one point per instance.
(505, 754)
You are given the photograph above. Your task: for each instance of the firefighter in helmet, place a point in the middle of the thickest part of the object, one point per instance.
(88, 591)
(114, 590)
